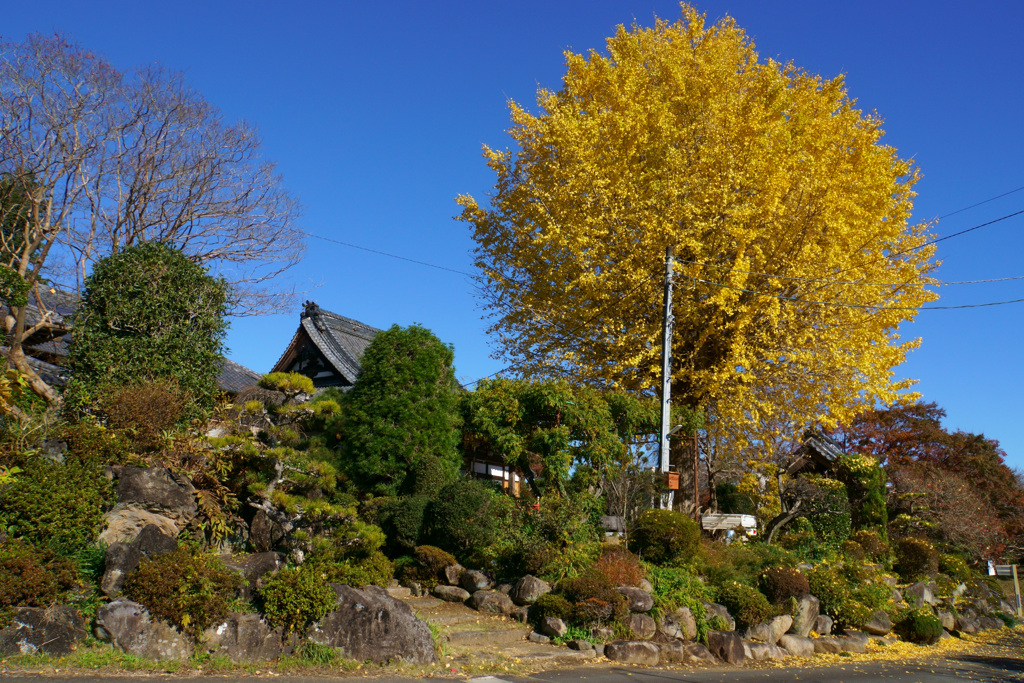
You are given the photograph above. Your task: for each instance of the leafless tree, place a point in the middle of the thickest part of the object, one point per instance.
(94, 160)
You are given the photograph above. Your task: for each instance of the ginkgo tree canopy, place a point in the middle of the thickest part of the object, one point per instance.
(790, 218)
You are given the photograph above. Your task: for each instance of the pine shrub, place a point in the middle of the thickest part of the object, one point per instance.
(663, 536)
(295, 597)
(746, 605)
(916, 558)
(920, 626)
(779, 584)
(32, 577)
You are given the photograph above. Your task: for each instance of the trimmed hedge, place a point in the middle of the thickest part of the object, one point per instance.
(663, 536)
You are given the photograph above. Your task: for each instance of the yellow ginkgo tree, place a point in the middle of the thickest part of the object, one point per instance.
(790, 220)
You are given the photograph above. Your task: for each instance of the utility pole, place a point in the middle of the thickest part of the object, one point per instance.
(666, 369)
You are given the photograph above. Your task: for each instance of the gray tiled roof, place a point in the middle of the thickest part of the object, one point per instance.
(341, 340)
(234, 377)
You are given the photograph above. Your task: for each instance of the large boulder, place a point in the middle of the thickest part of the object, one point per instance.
(253, 569)
(947, 619)
(673, 651)
(727, 646)
(769, 631)
(762, 651)
(528, 589)
(639, 600)
(987, 623)
(642, 626)
(806, 616)
(246, 638)
(265, 533)
(879, 625)
(827, 645)
(55, 631)
(149, 495)
(473, 581)
(491, 602)
(129, 627)
(452, 573)
(450, 593)
(797, 646)
(552, 627)
(700, 654)
(633, 652)
(369, 624)
(122, 558)
(679, 624)
(920, 594)
(823, 625)
(714, 609)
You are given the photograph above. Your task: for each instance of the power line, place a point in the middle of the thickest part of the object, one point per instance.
(384, 253)
(984, 201)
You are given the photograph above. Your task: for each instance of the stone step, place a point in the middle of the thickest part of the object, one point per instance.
(556, 655)
(423, 603)
(490, 637)
(399, 592)
(452, 619)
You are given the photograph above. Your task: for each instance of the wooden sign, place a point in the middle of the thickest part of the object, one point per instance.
(672, 481)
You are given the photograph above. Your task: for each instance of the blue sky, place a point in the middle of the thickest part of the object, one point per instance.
(375, 113)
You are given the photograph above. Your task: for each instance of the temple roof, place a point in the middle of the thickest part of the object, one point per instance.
(341, 340)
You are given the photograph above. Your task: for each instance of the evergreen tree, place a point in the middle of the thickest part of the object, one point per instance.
(400, 427)
(148, 313)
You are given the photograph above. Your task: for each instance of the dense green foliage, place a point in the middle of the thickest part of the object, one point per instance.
(865, 488)
(663, 536)
(746, 605)
(919, 626)
(288, 382)
(402, 413)
(460, 519)
(148, 313)
(782, 583)
(186, 588)
(296, 597)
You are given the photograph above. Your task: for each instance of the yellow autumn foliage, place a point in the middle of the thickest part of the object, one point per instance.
(789, 216)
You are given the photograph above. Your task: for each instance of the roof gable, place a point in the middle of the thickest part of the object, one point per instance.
(342, 341)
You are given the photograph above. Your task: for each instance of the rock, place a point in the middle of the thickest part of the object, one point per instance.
(452, 573)
(399, 592)
(504, 588)
(265, 533)
(727, 646)
(633, 652)
(450, 593)
(770, 631)
(879, 625)
(884, 641)
(797, 645)
(580, 645)
(552, 627)
(598, 649)
(1007, 608)
(642, 626)
(921, 593)
(945, 635)
(762, 651)
(673, 652)
(679, 624)
(538, 638)
(822, 625)
(521, 614)
(827, 645)
(896, 596)
(368, 624)
(149, 495)
(888, 580)
(244, 638)
(807, 610)
(990, 623)
(129, 627)
(254, 568)
(473, 581)
(491, 602)
(602, 633)
(528, 589)
(639, 600)
(853, 644)
(700, 654)
(959, 590)
(714, 609)
(966, 624)
(947, 619)
(122, 558)
(645, 585)
(54, 631)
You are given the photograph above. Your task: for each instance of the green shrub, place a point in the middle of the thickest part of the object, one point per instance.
(919, 626)
(148, 312)
(295, 597)
(746, 605)
(1008, 619)
(59, 506)
(832, 588)
(955, 566)
(402, 415)
(188, 589)
(459, 520)
(662, 536)
(373, 570)
(872, 543)
(32, 577)
(782, 583)
(288, 382)
(831, 516)
(401, 519)
(853, 551)
(426, 566)
(915, 558)
(551, 605)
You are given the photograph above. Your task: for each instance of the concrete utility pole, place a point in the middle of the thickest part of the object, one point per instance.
(666, 369)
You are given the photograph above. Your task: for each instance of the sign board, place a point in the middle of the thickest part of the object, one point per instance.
(1009, 571)
(719, 522)
(1002, 570)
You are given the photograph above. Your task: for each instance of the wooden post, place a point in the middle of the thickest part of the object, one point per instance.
(1016, 591)
(696, 487)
